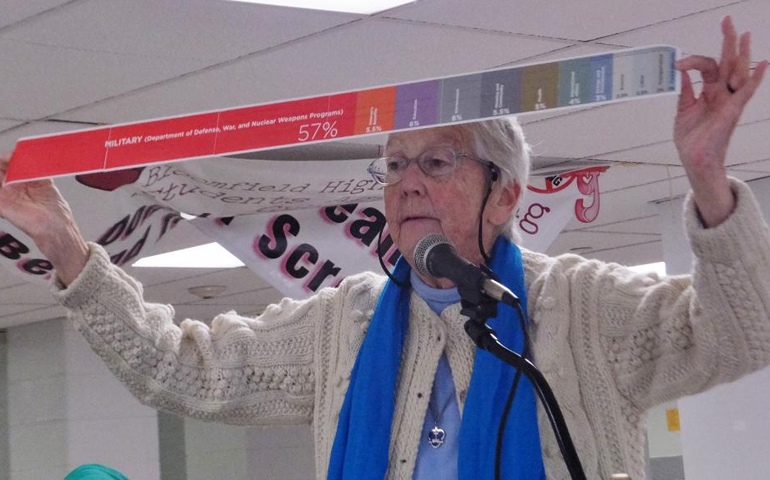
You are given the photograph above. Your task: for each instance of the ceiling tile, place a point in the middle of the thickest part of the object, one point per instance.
(262, 296)
(35, 314)
(384, 51)
(760, 166)
(202, 30)
(584, 20)
(700, 34)
(598, 131)
(26, 293)
(39, 81)
(236, 280)
(589, 241)
(642, 253)
(749, 144)
(645, 225)
(17, 10)
(14, 132)
(9, 309)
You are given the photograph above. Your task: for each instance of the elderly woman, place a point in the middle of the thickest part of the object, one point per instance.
(383, 369)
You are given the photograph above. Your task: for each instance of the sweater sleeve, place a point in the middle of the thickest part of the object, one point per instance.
(241, 370)
(680, 335)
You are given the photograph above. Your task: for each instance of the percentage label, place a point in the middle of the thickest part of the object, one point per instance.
(373, 128)
(313, 131)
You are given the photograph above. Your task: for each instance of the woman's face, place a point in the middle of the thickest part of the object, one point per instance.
(419, 205)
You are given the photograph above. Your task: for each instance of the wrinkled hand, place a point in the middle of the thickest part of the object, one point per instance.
(705, 124)
(38, 209)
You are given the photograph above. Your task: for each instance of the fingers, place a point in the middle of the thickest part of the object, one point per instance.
(732, 73)
(729, 43)
(687, 95)
(744, 94)
(707, 66)
(740, 74)
(3, 169)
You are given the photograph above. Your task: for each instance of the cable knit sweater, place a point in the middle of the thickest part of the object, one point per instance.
(611, 343)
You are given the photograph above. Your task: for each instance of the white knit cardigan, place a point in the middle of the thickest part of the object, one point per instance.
(611, 343)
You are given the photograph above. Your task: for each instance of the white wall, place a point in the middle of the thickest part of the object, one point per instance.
(726, 431)
(65, 409)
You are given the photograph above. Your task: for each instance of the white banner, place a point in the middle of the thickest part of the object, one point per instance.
(301, 225)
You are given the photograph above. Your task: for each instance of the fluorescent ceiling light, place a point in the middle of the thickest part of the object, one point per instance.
(211, 255)
(658, 267)
(349, 6)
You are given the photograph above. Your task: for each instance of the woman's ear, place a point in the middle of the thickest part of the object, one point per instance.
(502, 203)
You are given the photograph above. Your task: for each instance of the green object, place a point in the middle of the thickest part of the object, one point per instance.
(95, 471)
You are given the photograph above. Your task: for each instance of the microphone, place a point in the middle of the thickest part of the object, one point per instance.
(434, 255)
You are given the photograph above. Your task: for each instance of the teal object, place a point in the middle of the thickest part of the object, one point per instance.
(95, 471)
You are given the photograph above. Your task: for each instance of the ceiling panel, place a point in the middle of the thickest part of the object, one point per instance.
(262, 296)
(624, 175)
(12, 133)
(368, 53)
(7, 309)
(747, 145)
(644, 225)
(597, 131)
(760, 166)
(588, 241)
(17, 10)
(701, 33)
(37, 81)
(642, 253)
(7, 141)
(26, 293)
(201, 30)
(236, 279)
(583, 20)
(35, 314)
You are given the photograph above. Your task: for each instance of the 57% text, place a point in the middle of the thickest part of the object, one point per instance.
(317, 130)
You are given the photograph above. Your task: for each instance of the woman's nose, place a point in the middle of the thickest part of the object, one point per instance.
(413, 180)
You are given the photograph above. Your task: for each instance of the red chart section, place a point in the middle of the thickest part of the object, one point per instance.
(162, 140)
(58, 155)
(299, 121)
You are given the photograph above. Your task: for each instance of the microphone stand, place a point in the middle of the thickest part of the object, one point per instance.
(479, 307)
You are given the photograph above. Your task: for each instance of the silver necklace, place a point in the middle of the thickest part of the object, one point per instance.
(437, 435)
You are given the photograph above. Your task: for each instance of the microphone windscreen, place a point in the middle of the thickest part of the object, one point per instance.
(423, 247)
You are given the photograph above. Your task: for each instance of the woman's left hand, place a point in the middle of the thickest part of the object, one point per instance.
(704, 124)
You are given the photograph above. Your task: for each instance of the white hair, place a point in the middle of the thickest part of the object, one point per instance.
(501, 142)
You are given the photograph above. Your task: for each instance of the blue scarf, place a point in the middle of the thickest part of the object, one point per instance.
(362, 443)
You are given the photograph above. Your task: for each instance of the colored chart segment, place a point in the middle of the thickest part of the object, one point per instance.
(417, 104)
(375, 110)
(475, 96)
(460, 98)
(501, 92)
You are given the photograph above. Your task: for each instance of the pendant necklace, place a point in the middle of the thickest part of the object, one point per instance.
(437, 435)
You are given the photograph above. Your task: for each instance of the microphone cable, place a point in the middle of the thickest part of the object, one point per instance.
(511, 393)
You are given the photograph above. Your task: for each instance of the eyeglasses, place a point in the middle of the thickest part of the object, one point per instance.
(434, 162)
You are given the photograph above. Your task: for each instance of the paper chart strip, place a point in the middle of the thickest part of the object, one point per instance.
(444, 101)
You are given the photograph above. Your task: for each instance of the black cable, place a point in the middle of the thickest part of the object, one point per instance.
(511, 395)
(382, 262)
(485, 339)
(493, 168)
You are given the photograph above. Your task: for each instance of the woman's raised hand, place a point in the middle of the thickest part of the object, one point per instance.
(39, 210)
(705, 124)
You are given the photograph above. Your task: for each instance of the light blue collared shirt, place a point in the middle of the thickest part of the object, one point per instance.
(434, 463)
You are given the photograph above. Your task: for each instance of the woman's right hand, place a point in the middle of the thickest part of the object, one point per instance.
(39, 210)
